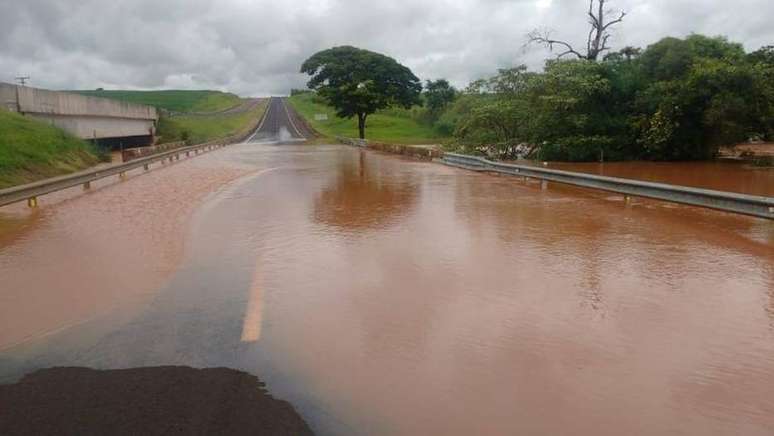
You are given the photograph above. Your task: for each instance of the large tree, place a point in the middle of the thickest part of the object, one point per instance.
(699, 94)
(438, 95)
(764, 55)
(359, 82)
(601, 20)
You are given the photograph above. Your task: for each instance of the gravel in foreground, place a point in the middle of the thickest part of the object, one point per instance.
(144, 401)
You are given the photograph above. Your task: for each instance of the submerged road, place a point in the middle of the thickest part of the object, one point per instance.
(388, 296)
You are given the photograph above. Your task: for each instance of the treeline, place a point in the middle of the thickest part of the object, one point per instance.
(679, 99)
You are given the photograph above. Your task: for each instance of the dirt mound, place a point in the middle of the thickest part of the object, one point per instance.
(146, 401)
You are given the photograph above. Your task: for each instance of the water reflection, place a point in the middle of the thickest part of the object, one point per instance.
(722, 176)
(362, 197)
(14, 226)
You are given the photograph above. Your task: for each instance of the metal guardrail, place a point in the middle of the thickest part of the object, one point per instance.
(31, 191)
(762, 207)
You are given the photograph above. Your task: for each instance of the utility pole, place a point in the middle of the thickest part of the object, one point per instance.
(22, 81)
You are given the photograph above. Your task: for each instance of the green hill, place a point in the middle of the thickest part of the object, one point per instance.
(31, 150)
(390, 125)
(197, 128)
(176, 101)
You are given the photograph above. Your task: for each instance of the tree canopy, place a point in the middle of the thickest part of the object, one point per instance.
(678, 99)
(359, 82)
(438, 94)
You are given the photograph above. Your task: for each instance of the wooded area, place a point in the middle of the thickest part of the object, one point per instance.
(679, 99)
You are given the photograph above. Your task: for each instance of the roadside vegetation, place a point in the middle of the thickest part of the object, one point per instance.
(31, 150)
(173, 100)
(677, 99)
(197, 128)
(357, 82)
(393, 125)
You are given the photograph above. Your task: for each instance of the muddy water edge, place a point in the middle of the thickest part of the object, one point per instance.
(82, 255)
(388, 296)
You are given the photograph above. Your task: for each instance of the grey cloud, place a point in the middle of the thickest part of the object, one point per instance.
(255, 47)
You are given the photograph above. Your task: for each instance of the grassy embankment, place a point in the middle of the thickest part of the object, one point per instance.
(31, 150)
(198, 128)
(392, 125)
(174, 101)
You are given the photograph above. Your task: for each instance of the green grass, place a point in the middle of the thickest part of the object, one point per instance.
(391, 125)
(31, 150)
(176, 101)
(198, 128)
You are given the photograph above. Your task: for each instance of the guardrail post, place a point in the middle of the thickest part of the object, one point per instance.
(177, 157)
(122, 175)
(187, 154)
(87, 186)
(145, 167)
(32, 202)
(544, 185)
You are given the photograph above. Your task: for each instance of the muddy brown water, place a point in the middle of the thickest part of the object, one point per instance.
(728, 176)
(388, 296)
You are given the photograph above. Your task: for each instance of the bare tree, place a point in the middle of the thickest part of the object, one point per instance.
(599, 34)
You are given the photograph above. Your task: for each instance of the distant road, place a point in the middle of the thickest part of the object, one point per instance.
(281, 123)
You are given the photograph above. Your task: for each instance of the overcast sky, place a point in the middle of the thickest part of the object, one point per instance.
(255, 47)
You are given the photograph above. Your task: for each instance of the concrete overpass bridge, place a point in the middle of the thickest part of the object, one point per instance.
(110, 123)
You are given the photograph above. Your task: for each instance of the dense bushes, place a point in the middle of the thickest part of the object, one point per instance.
(678, 99)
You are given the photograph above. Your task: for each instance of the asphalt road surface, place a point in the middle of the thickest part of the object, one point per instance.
(281, 124)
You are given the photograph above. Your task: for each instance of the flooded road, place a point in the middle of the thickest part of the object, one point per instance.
(729, 176)
(387, 296)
